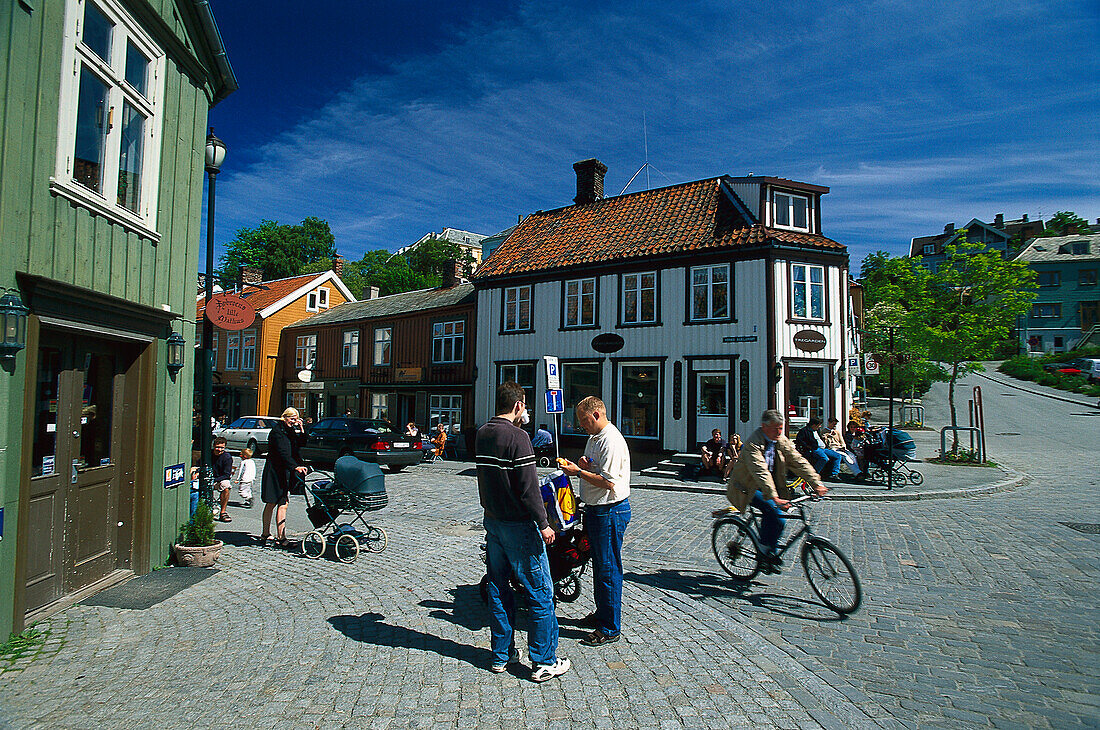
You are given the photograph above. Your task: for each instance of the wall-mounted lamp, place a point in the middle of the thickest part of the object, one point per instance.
(13, 326)
(840, 373)
(777, 371)
(176, 345)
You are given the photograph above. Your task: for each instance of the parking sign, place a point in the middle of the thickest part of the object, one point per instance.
(553, 379)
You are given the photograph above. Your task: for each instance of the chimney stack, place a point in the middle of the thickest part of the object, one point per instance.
(1025, 218)
(252, 275)
(589, 180)
(452, 273)
(949, 228)
(338, 265)
(372, 292)
(999, 220)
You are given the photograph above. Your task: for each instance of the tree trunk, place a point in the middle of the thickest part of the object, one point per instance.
(951, 403)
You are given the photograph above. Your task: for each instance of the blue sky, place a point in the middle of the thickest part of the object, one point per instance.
(391, 120)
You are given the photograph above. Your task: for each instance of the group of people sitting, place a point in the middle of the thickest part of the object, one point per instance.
(438, 438)
(826, 448)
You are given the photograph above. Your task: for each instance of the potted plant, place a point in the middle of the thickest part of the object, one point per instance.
(197, 546)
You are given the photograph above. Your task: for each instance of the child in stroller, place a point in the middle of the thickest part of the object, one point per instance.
(891, 452)
(568, 554)
(358, 487)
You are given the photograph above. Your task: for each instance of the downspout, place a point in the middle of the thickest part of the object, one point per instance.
(227, 81)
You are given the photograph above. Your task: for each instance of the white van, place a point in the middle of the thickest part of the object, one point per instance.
(1089, 367)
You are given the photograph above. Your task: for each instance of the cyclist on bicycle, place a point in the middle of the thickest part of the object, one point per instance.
(759, 477)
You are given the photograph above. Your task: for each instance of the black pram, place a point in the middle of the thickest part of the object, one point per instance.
(891, 451)
(357, 488)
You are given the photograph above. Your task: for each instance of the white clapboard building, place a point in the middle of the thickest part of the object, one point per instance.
(684, 308)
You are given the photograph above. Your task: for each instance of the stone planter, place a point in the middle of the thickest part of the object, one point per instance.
(197, 557)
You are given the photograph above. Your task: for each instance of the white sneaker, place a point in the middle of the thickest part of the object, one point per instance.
(513, 658)
(544, 672)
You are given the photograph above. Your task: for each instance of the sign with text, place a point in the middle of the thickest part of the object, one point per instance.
(174, 476)
(555, 402)
(230, 312)
(408, 375)
(553, 374)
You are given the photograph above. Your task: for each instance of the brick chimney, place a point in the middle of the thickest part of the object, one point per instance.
(589, 180)
(452, 273)
(999, 220)
(372, 292)
(252, 275)
(1025, 218)
(949, 228)
(338, 265)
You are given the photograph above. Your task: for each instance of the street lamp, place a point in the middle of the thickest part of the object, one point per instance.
(175, 344)
(215, 156)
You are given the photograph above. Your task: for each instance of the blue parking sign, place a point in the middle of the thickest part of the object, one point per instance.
(555, 403)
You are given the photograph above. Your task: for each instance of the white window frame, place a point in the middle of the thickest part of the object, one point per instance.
(809, 286)
(449, 338)
(322, 297)
(710, 287)
(380, 405)
(445, 405)
(789, 200)
(1055, 309)
(929, 249)
(248, 352)
(513, 322)
(1054, 274)
(232, 350)
(305, 351)
(636, 290)
(383, 346)
(579, 296)
(76, 56)
(311, 302)
(350, 356)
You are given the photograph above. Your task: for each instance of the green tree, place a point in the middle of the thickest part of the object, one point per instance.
(431, 257)
(279, 250)
(1065, 223)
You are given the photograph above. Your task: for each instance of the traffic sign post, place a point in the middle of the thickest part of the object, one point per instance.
(555, 402)
(553, 377)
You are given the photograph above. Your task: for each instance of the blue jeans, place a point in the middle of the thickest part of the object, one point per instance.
(826, 462)
(516, 548)
(605, 525)
(771, 524)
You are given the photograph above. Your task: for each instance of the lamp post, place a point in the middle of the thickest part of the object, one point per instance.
(215, 155)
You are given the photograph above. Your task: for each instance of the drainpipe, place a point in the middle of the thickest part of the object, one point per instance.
(227, 81)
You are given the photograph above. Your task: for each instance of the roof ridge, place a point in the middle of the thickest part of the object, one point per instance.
(607, 199)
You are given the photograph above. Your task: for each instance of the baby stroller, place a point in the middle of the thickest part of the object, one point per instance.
(569, 553)
(358, 487)
(891, 451)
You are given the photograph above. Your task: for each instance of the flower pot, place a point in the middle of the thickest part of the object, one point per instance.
(197, 557)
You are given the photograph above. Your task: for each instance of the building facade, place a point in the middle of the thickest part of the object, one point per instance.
(684, 308)
(1004, 237)
(404, 357)
(1067, 305)
(104, 128)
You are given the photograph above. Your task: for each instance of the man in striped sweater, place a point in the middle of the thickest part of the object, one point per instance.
(517, 533)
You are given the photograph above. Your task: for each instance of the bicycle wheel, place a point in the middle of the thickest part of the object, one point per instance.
(346, 548)
(876, 474)
(375, 540)
(831, 575)
(916, 477)
(735, 548)
(313, 545)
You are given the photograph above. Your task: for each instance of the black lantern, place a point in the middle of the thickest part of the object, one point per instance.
(13, 326)
(175, 353)
(215, 153)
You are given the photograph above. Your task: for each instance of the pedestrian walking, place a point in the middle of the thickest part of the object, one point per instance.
(246, 475)
(604, 473)
(517, 533)
(281, 469)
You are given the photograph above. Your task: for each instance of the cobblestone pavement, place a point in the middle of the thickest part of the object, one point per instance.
(977, 613)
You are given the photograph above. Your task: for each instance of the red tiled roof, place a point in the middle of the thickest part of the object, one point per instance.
(680, 219)
(261, 298)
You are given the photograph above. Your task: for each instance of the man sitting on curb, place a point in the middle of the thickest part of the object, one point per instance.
(809, 444)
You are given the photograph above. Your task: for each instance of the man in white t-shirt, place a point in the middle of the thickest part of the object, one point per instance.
(604, 473)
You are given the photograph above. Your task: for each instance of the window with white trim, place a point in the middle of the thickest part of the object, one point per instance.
(710, 292)
(380, 405)
(580, 303)
(445, 409)
(929, 249)
(248, 350)
(322, 298)
(233, 351)
(311, 302)
(305, 351)
(351, 349)
(640, 298)
(383, 342)
(792, 211)
(1046, 311)
(297, 401)
(807, 291)
(517, 308)
(110, 115)
(1049, 278)
(448, 341)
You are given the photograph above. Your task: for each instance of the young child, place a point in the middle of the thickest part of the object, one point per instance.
(246, 474)
(194, 488)
(223, 473)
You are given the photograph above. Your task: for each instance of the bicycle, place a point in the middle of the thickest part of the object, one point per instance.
(828, 570)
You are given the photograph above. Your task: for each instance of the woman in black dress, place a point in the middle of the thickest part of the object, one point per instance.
(279, 472)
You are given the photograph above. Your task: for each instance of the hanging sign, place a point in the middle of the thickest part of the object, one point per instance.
(809, 341)
(230, 312)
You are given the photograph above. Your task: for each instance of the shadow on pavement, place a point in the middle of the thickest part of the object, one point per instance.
(370, 628)
(699, 585)
(466, 609)
(237, 538)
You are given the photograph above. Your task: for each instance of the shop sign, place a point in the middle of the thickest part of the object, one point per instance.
(809, 341)
(230, 312)
(319, 385)
(608, 342)
(408, 375)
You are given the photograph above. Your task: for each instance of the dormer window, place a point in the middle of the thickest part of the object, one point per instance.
(1080, 248)
(792, 211)
(930, 249)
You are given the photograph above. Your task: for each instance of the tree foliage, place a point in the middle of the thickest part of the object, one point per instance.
(1065, 223)
(280, 250)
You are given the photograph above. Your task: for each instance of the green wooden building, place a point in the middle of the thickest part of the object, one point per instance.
(104, 115)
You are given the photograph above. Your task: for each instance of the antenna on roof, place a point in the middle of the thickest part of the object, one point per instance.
(645, 165)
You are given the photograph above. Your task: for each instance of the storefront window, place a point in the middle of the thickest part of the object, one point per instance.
(445, 409)
(96, 410)
(639, 415)
(578, 381)
(45, 412)
(380, 405)
(712, 395)
(807, 391)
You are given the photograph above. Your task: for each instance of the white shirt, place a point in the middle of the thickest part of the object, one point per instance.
(611, 459)
(246, 472)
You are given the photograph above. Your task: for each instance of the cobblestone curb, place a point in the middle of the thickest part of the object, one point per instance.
(1053, 396)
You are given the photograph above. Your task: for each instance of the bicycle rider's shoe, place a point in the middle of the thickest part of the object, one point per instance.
(770, 563)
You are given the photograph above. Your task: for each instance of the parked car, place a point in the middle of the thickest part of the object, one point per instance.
(1062, 367)
(247, 432)
(370, 439)
(1089, 367)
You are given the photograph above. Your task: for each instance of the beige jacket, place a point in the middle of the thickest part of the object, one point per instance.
(750, 472)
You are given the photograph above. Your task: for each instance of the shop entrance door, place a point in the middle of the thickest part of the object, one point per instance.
(85, 424)
(712, 404)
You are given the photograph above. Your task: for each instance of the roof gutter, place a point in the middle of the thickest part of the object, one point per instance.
(225, 78)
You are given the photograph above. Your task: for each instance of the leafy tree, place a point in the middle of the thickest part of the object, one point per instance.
(431, 256)
(1065, 223)
(279, 250)
(915, 376)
